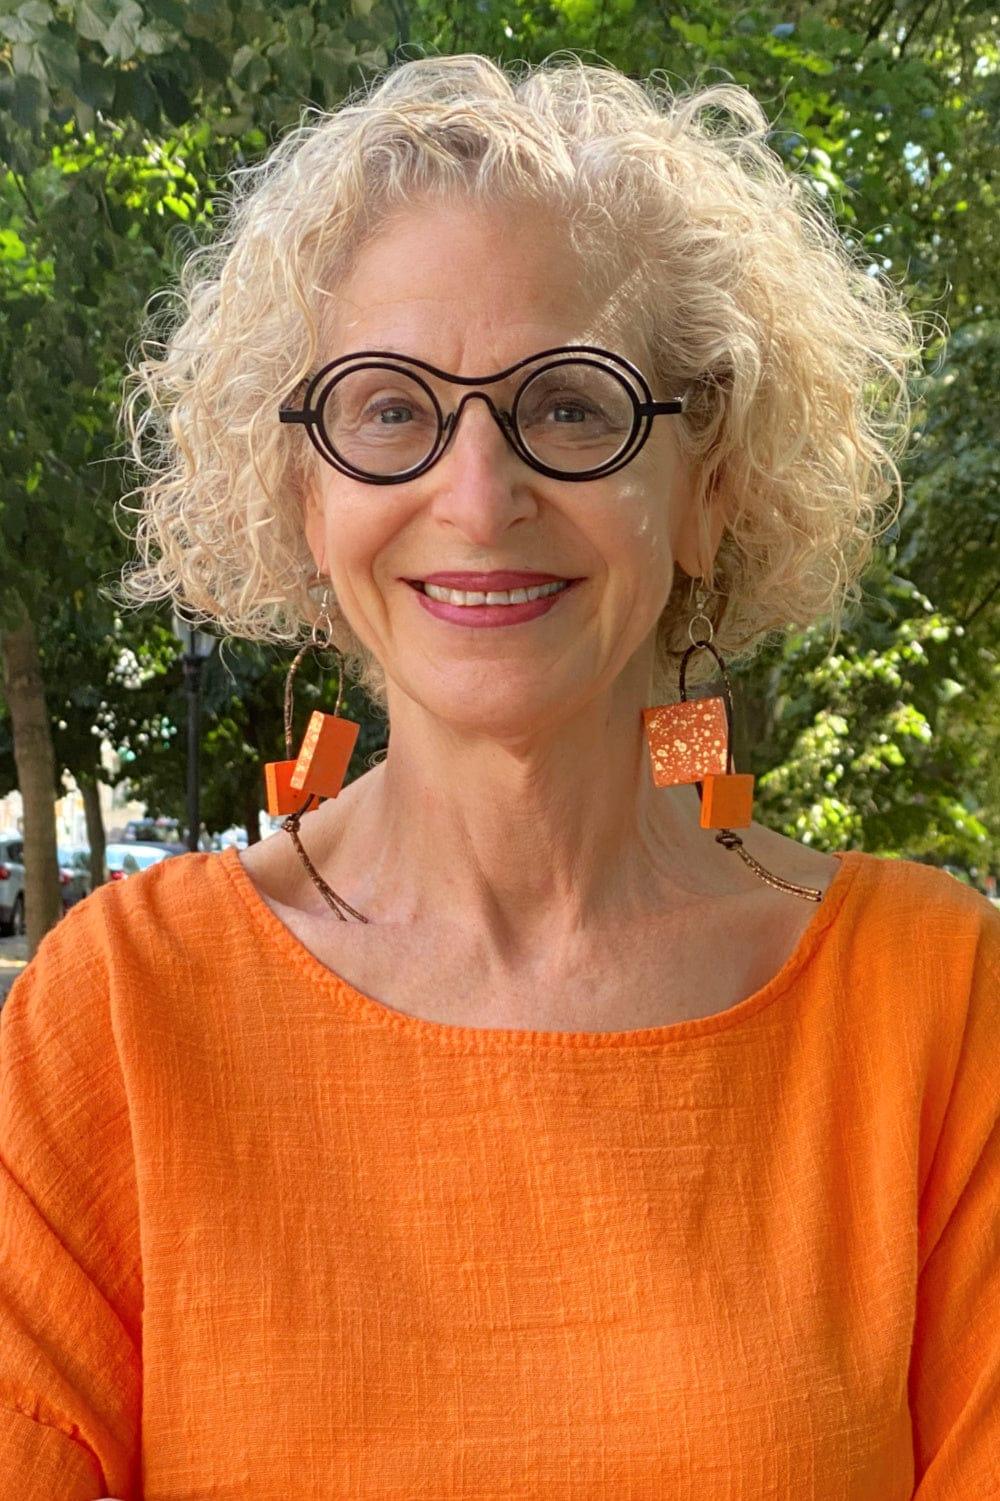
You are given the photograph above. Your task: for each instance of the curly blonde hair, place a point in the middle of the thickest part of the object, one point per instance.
(797, 355)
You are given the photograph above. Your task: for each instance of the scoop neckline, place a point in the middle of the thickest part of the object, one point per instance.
(358, 1006)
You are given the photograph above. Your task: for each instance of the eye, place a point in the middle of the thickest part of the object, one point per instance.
(386, 409)
(578, 411)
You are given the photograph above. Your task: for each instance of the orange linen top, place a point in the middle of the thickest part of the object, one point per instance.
(266, 1238)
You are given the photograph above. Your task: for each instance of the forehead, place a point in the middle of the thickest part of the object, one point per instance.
(472, 288)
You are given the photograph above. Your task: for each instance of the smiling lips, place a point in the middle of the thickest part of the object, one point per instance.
(491, 607)
(496, 581)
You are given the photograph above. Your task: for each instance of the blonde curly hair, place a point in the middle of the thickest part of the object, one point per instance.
(797, 357)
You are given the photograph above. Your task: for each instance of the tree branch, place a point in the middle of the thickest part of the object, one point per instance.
(913, 26)
(982, 603)
(23, 190)
(877, 24)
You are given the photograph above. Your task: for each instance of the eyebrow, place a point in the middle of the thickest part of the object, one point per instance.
(472, 380)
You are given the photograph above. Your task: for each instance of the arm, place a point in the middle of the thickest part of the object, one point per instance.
(954, 1379)
(70, 1271)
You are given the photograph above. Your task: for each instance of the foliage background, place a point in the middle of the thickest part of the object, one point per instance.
(119, 120)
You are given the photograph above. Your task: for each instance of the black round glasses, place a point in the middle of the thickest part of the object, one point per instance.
(578, 413)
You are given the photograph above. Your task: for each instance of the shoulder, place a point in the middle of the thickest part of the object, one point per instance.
(274, 869)
(122, 927)
(924, 940)
(924, 899)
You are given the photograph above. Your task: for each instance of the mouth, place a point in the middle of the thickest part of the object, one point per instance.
(479, 598)
(487, 609)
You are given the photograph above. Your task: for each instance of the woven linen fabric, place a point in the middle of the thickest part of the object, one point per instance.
(266, 1238)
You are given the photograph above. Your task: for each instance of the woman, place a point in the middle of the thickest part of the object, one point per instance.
(496, 1129)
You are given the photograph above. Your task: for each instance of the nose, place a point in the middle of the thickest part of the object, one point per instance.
(477, 448)
(478, 476)
(487, 421)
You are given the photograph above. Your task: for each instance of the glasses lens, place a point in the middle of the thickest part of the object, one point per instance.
(379, 420)
(575, 416)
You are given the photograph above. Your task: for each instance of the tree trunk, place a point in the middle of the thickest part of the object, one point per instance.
(251, 795)
(753, 717)
(251, 815)
(35, 760)
(91, 789)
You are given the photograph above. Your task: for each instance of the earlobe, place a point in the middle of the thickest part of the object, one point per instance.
(314, 526)
(700, 533)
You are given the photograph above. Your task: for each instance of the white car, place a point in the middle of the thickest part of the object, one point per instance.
(129, 859)
(74, 874)
(11, 885)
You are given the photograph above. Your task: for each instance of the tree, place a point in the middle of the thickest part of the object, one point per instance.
(115, 120)
(118, 122)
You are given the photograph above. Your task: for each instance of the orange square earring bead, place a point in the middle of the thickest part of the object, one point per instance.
(687, 740)
(727, 801)
(324, 755)
(277, 785)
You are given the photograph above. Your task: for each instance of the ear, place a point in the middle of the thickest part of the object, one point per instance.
(314, 523)
(699, 532)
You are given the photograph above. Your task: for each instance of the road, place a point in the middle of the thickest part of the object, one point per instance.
(13, 954)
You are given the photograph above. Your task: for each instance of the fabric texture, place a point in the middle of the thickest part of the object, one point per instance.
(264, 1237)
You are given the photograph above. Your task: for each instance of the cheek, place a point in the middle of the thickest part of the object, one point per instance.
(356, 525)
(642, 534)
(367, 585)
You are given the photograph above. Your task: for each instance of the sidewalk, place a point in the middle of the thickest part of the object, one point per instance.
(13, 957)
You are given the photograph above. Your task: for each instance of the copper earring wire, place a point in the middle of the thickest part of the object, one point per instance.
(292, 822)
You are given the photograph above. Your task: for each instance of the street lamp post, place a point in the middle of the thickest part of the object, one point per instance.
(197, 647)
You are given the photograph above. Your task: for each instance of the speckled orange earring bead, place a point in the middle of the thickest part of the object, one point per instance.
(687, 741)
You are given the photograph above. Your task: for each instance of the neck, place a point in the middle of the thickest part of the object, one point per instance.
(536, 844)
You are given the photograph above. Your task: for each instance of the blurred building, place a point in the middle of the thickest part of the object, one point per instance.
(117, 807)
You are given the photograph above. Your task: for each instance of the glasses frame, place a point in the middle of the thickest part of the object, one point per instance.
(318, 386)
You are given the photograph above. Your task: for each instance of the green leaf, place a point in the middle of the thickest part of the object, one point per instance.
(12, 247)
(27, 23)
(122, 37)
(28, 61)
(94, 19)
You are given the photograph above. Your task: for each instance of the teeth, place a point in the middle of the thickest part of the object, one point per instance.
(494, 597)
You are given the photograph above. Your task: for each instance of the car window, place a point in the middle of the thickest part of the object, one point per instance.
(131, 859)
(15, 850)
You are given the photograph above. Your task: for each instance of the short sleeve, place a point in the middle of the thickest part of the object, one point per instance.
(954, 1377)
(70, 1268)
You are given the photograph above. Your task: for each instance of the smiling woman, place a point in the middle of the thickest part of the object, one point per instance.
(722, 266)
(591, 1162)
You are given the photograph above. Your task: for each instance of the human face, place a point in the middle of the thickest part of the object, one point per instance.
(475, 289)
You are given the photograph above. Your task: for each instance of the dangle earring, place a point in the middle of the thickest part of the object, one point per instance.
(298, 784)
(325, 752)
(691, 741)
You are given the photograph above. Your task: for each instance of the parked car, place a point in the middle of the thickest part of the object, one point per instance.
(129, 859)
(235, 835)
(11, 885)
(152, 831)
(74, 874)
